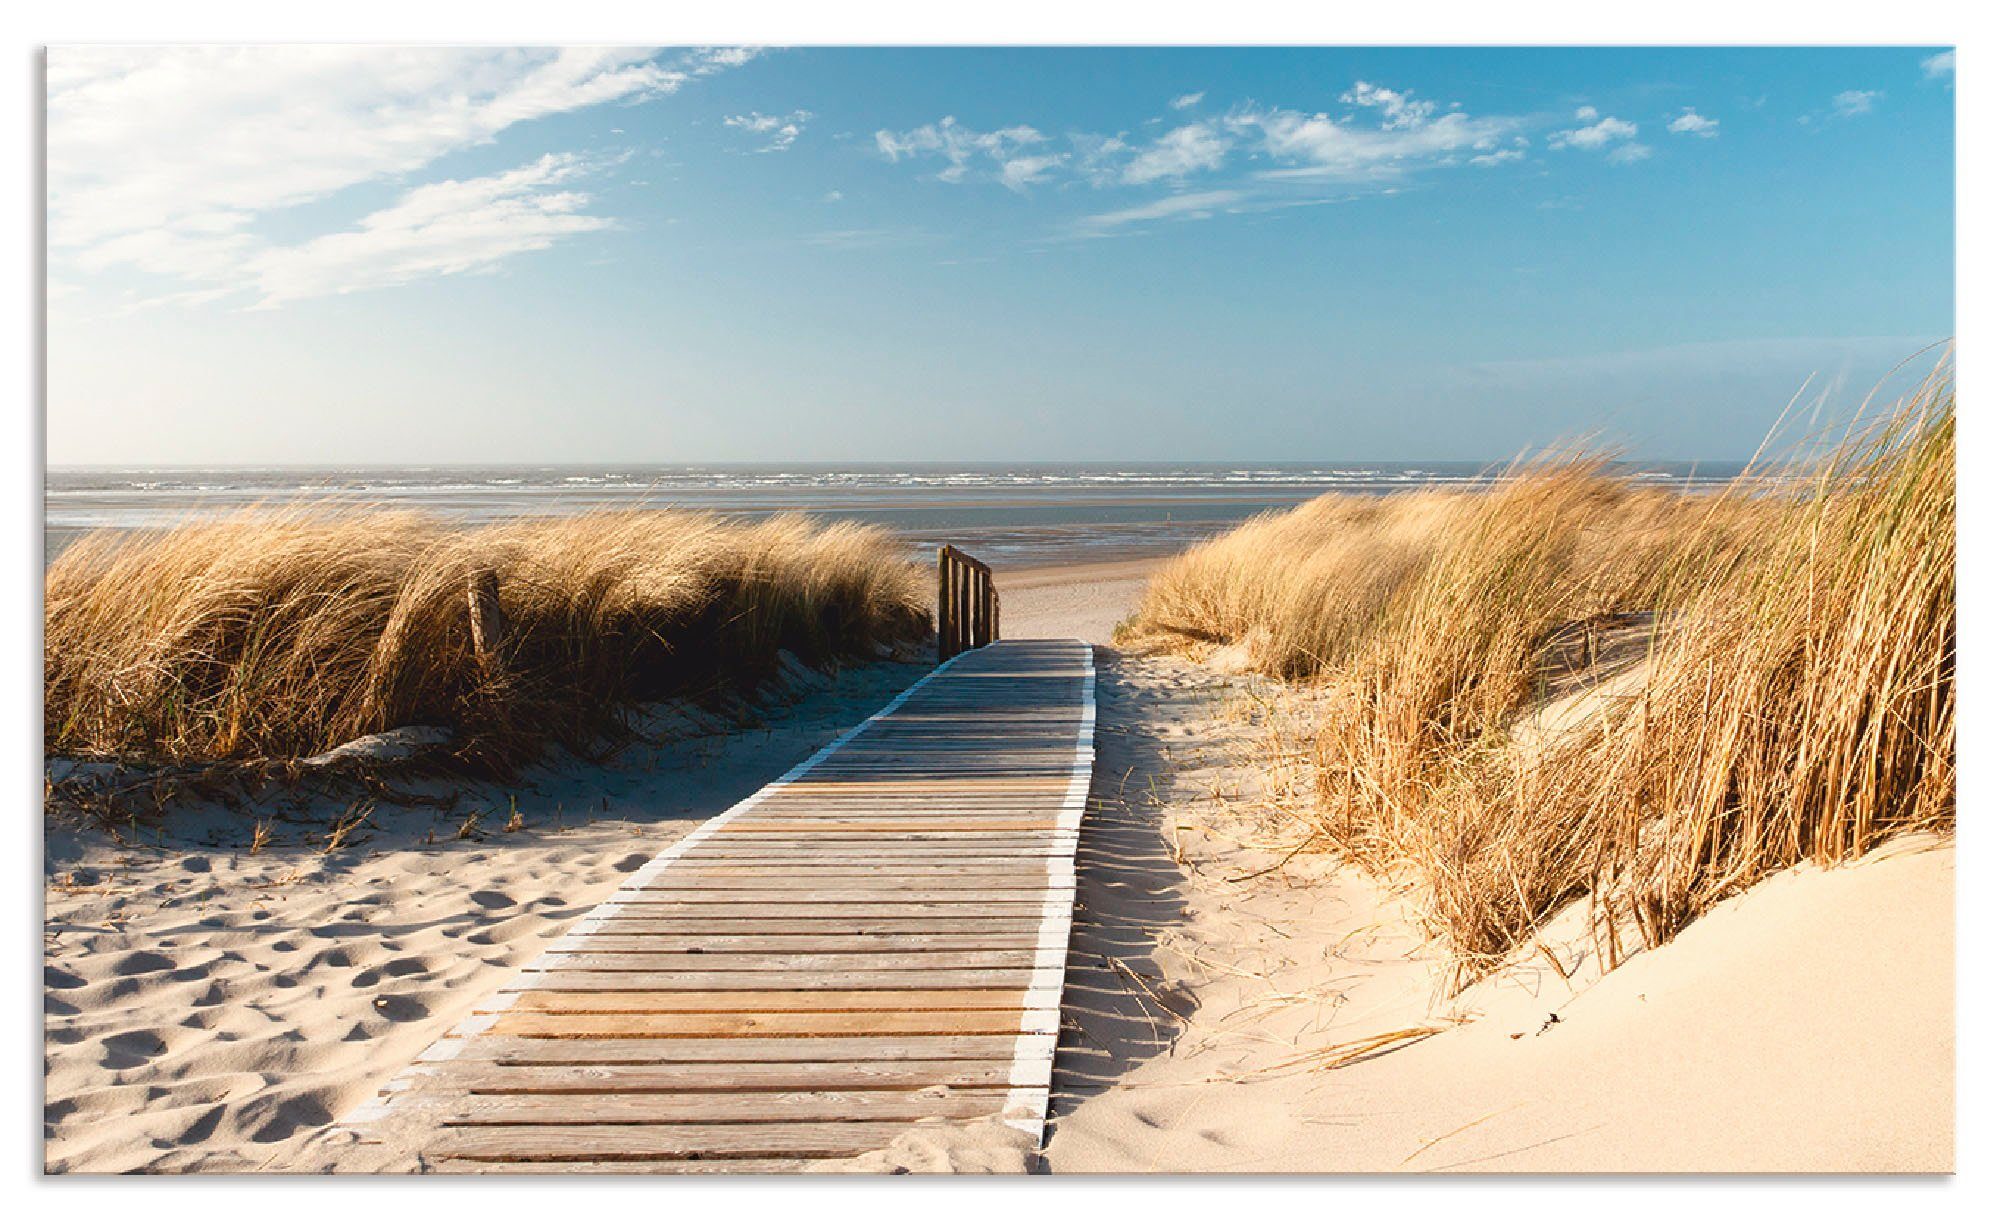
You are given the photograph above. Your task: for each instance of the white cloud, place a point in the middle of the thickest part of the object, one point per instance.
(707, 61)
(832, 196)
(1598, 134)
(1499, 156)
(1690, 123)
(1627, 154)
(782, 130)
(1399, 110)
(1018, 173)
(1180, 152)
(1174, 207)
(166, 159)
(960, 146)
(1944, 63)
(444, 228)
(1320, 146)
(1855, 102)
(1187, 100)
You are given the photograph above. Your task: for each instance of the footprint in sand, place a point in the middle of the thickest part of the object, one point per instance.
(141, 963)
(401, 1008)
(123, 1051)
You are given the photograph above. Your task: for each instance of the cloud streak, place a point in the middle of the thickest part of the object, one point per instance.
(166, 160)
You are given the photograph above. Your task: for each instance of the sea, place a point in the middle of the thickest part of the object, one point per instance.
(1016, 515)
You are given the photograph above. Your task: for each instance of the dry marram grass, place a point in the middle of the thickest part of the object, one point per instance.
(1788, 690)
(284, 633)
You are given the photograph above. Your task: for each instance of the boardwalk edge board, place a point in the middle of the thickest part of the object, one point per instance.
(572, 974)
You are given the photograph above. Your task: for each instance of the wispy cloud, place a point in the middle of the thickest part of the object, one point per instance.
(1194, 206)
(292, 125)
(444, 228)
(1187, 100)
(1616, 138)
(1944, 65)
(1005, 152)
(1256, 158)
(1182, 151)
(781, 131)
(1690, 123)
(1319, 146)
(1596, 132)
(1855, 102)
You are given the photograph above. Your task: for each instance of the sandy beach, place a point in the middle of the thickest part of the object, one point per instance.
(214, 1008)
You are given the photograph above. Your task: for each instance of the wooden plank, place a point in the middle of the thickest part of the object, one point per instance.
(556, 1144)
(1014, 980)
(499, 1048)
(915, 827)
(760, 1024)
(720, 951)
(746, 1166)
(730, 876)
(735, 1077)
(937, 911)
(561, 999)
(729, 922)
(780, 897)
(633, 1109)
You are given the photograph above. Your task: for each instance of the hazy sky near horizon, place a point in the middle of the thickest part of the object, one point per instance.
(377, 255)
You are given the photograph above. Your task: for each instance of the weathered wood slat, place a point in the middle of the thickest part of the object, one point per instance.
(589, 959)
(759, 1024)
(734, 1077)
(630, 1109)
(876, 940)
(706, 920)
(904, 980)
(560, 998)
(753, 912)
(777, 897)
(705, 951)
(741, 1166)
(497, 1048)
(554, 1144)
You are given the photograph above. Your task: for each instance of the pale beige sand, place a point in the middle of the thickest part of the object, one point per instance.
(1804, 1026)
(1081, 602)
(210, 1009)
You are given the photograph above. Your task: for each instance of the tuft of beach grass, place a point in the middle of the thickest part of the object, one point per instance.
(284, 633)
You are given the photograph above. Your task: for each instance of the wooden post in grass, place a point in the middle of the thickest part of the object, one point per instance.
(489, 625)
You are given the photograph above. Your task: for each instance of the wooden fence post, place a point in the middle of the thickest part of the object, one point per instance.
(489, 624)
(968, 605)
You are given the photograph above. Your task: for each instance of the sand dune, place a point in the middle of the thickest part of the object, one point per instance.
(1805, 1026)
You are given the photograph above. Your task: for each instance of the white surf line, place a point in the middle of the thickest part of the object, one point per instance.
(1032, 1075)
(489, 1010)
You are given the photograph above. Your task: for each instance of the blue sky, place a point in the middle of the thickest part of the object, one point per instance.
(364, 255)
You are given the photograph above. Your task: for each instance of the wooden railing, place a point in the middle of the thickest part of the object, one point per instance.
(968, 604)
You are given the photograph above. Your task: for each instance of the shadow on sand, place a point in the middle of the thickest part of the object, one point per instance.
(1117, 1010)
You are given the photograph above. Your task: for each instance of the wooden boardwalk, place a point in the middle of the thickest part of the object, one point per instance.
(877, 939)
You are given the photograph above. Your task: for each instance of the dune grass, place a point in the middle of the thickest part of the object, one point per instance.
(1795, 699)
(277, 634)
